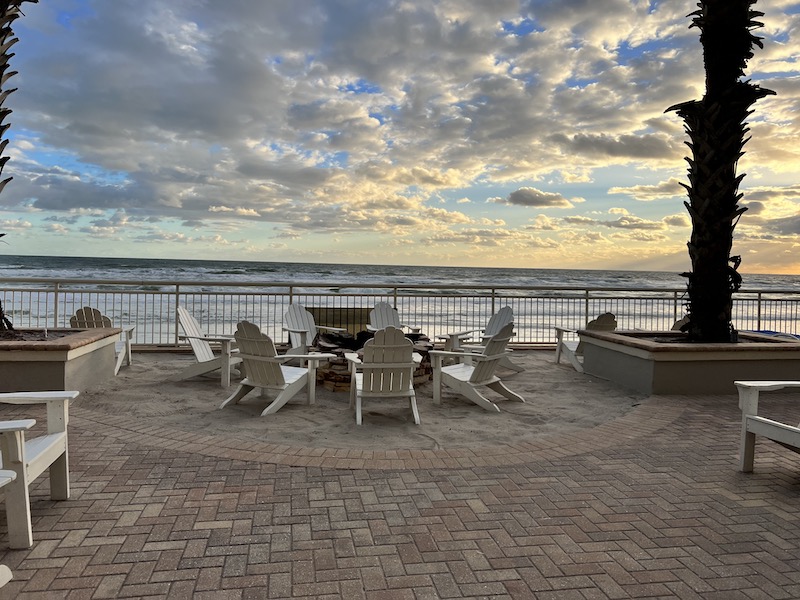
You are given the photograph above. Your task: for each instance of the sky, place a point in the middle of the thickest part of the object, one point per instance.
(499, 133)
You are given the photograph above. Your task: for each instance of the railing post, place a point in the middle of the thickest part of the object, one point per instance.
(394, 295)
(55, 305)
(675, 316)
(758, 312)
(494, 310)
(586, 307)
(177, 304)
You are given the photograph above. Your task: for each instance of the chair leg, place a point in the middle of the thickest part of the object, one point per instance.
(18, 512)
(413, 401)
(59, 477)
(478, 399)
(120, 359)
(506, 362)
(501, 389)
(240, 393)
(282, 398)
(358, 409)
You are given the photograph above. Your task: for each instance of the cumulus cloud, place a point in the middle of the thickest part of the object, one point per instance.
(529, 196)
(663, 190)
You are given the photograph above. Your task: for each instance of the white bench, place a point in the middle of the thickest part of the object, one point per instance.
(28, 459)
(753, 425)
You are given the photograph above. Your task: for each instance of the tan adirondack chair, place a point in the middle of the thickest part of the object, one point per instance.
(467, 379)
(459, 340)
(384, 315)
(207, 361)
(385, 371)
(89, 318)
(572, 348)
(265, 370)
(29, 458)
(787, 436)
(302, 329)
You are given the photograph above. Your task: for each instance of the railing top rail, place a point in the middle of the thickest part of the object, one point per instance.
(325, 285)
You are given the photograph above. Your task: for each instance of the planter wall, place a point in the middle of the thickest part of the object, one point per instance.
(73, 362)
(661, 363)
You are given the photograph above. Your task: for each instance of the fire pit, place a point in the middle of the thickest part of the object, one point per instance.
(335, 375)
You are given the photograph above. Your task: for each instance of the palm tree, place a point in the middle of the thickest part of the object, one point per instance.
(717, 129)
(9, 12)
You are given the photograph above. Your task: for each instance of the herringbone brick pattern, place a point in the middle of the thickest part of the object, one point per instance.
(651, 506)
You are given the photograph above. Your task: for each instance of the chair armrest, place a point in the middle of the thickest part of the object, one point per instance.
(7, 476)
(331, 328)
(310, 356)
(16, 425)
(416, 357)
(352, 357)
(36, 397)
(293, 330)
(449, 353)
(209, 338)
(457, 334)
(748, 392)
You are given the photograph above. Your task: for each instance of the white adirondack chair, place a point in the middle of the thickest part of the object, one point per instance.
(89, 318)
(384, 315)
(466, 379)
(207, 361)
(264, 369)
(29, 458)
(572, 348)
(302, 329)
(456, 341)
(752, 425)
(386, 371)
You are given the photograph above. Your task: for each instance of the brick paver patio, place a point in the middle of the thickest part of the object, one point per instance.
(650, 505)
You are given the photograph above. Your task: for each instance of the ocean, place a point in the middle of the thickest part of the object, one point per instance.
(209, 271)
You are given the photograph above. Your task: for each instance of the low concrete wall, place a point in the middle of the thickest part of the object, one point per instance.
(670, 366)
(74, 362)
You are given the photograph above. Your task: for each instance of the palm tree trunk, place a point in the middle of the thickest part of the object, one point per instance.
(717, 128)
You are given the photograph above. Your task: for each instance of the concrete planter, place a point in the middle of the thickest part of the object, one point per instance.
(664, 363)
(75, 361)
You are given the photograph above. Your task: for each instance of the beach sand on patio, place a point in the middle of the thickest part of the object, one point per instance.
(558, 400)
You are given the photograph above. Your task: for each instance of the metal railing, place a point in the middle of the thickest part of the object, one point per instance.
(218, 306)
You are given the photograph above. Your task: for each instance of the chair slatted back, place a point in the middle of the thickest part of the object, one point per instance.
(500, 319)
(605, 322)
(297, 317)
(89, 318)
(256, 349)
(201, 348)
(384, 315)
(493, 352)
(388, 365)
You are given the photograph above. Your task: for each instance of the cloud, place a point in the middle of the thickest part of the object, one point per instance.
(528, 196)
(669, 189)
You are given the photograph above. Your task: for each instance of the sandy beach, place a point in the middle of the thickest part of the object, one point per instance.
(557, 398)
